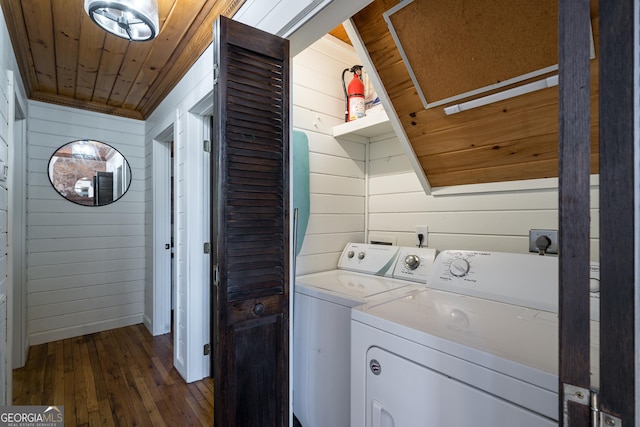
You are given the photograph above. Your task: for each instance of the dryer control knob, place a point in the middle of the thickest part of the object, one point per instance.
(412, 261)
(594, 285)
(361, 255)
(350, 254)
(459, 267)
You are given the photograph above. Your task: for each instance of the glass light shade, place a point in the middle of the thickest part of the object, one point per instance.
(135, 20)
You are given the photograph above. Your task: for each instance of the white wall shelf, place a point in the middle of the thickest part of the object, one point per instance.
(368, 126)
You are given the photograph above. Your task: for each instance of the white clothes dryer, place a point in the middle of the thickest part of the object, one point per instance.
(477, 347)
(322, 317)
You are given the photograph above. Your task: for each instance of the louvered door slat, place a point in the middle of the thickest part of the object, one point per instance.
(256, 158)
(264, 142)
(248, 100)
(251, 227)
(262, 130)
(251, 61)
(254, 78)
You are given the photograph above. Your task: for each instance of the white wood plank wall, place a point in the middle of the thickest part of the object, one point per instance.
(494, 217)
(365, 188)
(85, 265)
(337, 168)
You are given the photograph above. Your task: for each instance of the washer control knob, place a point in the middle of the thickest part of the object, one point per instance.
(361, 255)
(350, 254)
(594, 285)
(412, 262)
(459, 267)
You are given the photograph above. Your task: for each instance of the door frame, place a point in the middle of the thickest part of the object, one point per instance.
(191, 293)
(161, 195)
(17, 337)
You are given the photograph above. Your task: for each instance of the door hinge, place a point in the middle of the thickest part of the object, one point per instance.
(216, 74)
(207, 247)
(206, 145)
(589, 398)
(207, 349)
(216, 275)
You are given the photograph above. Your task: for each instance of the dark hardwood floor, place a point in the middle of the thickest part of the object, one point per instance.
(122, 377)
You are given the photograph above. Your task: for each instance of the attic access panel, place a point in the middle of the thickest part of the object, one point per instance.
(454, 49)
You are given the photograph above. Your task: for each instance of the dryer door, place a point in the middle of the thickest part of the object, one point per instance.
(401, 393)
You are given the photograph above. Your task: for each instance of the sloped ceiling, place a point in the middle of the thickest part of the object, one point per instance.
(66, 59)
(515, 139)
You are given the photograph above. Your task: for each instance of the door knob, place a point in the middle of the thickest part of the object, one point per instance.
(258, 309)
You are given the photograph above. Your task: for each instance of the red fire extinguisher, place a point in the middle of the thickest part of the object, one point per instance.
(354, 96)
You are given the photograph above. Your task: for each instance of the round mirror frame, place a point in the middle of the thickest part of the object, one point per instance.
(89, 173)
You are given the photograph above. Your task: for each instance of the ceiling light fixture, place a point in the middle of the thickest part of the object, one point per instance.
(501, 96)
(135, 20)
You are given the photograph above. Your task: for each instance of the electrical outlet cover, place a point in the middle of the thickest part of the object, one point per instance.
(551, 234)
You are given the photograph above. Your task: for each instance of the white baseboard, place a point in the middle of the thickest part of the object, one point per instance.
(90, 328)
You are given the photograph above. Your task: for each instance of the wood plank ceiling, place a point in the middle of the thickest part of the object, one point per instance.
(515, 139)
(66, 59)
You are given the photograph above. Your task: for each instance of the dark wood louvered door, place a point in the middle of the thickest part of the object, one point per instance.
(250, 227)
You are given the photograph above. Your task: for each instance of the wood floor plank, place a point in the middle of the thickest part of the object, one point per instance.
(49, 376)
(197, 410)
(81, 416)
(34, 379)
(147, 400)
(118, 378)
(69, 401)
(58, 386)
(206, 392)
(164, 374)
(96, 368)
(89, 380)
(106, 413)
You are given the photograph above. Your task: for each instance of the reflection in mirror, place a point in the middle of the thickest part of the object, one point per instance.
(84, 187)
(89, 173)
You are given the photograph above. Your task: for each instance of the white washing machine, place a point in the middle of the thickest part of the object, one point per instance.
(322, 310)
(477, 347)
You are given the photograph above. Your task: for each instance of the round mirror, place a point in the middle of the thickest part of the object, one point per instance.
(89, 173)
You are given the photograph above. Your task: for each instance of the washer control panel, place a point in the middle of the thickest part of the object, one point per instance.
(414, 264)
(522, 279)
(368, 258)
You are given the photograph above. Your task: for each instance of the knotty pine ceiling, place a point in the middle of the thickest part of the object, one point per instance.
(515, 139)
(66, 59)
